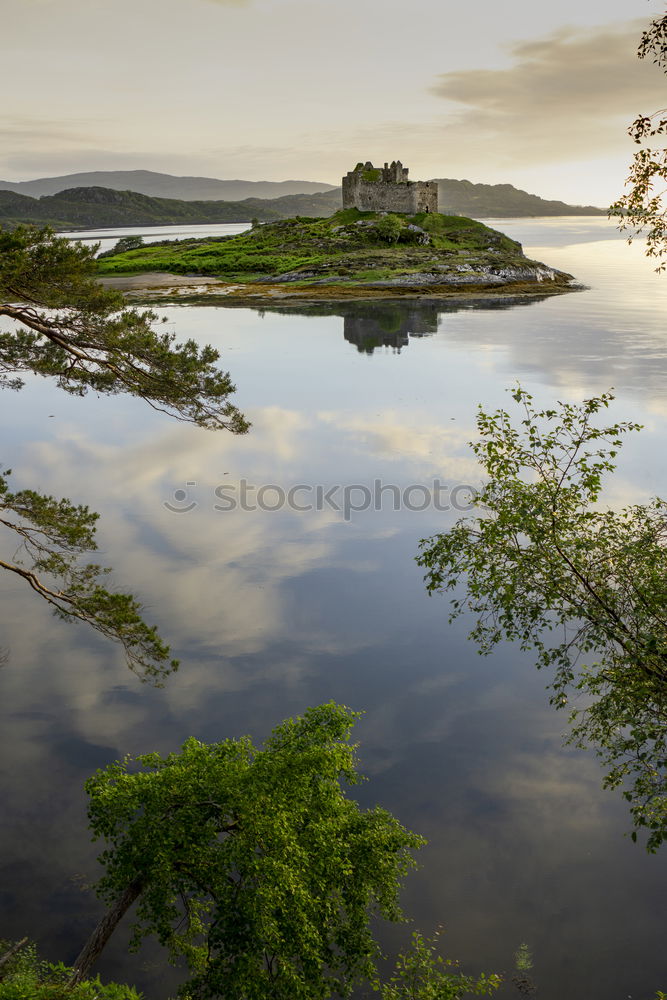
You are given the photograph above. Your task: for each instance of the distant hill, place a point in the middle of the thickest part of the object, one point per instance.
(96, 207)
(500, 201)
(165, 185)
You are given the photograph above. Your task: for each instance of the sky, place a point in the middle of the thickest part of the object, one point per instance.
(534, 94)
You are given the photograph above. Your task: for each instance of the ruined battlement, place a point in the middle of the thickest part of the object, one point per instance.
(387, 189)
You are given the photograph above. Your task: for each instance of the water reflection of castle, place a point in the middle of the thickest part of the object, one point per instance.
(373, 323)
(389, 325)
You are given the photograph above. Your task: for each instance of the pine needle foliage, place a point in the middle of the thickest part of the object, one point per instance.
(58, 322)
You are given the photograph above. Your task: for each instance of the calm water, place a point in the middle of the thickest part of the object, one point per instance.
(271, 611)
(107, 238)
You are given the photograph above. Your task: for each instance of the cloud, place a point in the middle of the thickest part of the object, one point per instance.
(33, 144)
(27, 128)
(433, 449)
(32, 147)
(567, 96)
(222, 576)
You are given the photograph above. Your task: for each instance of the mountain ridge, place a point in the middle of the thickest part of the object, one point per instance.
(461, 197)
(159, 185)
(501, 201)
(100, 207)
(96, 207)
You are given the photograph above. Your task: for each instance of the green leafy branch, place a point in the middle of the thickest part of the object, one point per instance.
(422, 974)
(251, 864)
(545, 567)
(643, 207)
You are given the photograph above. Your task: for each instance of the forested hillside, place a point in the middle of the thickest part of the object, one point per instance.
(95, 207)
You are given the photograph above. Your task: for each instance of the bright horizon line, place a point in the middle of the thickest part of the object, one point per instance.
(263, 180)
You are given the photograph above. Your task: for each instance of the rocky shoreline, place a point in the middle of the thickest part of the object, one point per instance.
(156, 287)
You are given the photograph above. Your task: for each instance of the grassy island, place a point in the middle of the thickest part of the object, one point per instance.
(351, 251)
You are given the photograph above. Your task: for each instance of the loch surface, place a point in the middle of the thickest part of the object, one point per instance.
(276, 608)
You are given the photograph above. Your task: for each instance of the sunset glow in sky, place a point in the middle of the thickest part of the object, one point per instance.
(538, 95)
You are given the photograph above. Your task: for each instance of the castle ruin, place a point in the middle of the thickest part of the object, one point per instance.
(387, 189)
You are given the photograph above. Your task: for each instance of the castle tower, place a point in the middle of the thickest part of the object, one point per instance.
(387, 189)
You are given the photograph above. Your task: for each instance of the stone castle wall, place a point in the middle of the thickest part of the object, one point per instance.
(376, 189)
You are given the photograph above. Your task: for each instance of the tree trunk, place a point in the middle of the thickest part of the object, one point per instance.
(107, 925)
(12, 951)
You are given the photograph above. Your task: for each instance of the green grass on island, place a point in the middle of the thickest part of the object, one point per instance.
(349, 247)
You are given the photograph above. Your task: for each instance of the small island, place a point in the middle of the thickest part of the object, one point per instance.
(388, 240)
